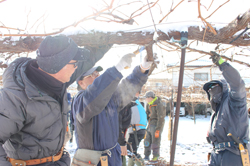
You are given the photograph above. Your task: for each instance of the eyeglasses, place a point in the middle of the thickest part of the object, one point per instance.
(93, 75)
(74, 63)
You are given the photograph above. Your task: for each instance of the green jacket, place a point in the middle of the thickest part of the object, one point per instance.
(156, 113)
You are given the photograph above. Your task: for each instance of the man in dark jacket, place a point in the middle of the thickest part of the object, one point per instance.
(33, 102)
(124, 122)
(155, 115)
(229, 116)
(136, 131)
(96, 107)
(132, 125)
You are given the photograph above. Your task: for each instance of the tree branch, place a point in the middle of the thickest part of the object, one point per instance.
(224, 36)
(203, 20)
(216, 9)
(170, 11)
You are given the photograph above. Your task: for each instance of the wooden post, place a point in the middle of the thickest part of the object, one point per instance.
(193, 111)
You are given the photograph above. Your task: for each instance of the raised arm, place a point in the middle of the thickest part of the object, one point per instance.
(129, 86)
(95, 98)
(132, 84)
(232, 76)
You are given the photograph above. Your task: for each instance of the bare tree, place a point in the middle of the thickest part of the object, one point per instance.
(111, 13)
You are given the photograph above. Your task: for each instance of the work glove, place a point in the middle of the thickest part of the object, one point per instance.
(157, 133)
(216, 58)
(145, 65)
(125, 62)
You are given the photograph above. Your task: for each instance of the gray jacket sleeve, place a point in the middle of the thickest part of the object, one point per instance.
(11, 120)
(235, 81)
(95, 55)
(129, 86)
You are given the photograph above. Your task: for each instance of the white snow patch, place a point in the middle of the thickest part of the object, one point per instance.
(191, 146)
(115, 28)
(119, 34)
(6, 42)
(14, 38)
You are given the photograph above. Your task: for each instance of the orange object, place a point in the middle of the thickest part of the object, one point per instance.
(157, 134)
(39, 161)
(67, 128)
(89, 162)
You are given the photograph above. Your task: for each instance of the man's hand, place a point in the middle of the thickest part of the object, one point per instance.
(124, 150)
(157, 134)
(125, 62)
(216, 58)
(145, 65)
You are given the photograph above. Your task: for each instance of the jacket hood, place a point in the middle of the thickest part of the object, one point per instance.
(14, 77)
(222, 83)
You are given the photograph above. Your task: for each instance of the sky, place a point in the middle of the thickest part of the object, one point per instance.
(44, 16)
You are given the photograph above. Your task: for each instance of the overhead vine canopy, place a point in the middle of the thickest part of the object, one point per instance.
(125, 22)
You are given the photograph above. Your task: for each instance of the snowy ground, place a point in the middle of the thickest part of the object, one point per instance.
(191, 147)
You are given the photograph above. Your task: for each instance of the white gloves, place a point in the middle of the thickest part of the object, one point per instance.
(125, 62)
(145, 65)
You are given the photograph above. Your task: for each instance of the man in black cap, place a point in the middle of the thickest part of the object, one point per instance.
(91, 73)
(96, 107)
(33, 112)
(230, 116)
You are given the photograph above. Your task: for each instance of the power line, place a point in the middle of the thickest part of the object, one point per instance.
(152, 16)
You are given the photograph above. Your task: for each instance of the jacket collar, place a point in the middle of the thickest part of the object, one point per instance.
(152, 102)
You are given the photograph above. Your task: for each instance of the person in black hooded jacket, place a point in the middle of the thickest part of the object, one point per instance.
(229, 116)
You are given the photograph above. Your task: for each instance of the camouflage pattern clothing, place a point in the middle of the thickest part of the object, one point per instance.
(155, 115)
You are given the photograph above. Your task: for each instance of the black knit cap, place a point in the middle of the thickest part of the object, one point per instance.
(55, 52)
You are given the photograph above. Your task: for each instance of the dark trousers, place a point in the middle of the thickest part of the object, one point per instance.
(131, 139)
(152, 143)
(224, 158)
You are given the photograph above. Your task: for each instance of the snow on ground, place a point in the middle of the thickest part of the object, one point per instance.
(191, 146)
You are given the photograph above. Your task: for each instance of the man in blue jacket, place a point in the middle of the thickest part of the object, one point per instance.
(229, 116)
(96, 107)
